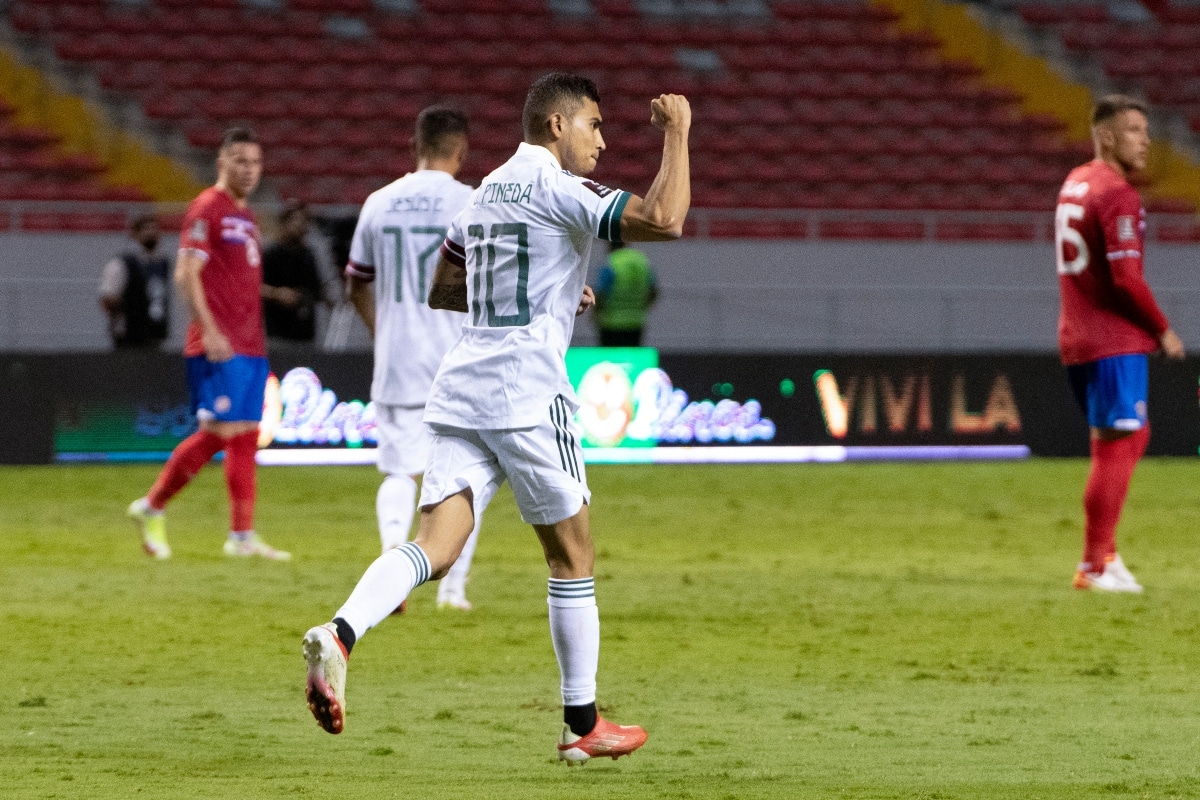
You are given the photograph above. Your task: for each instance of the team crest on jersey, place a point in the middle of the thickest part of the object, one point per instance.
(199, 231)
(1126, 232)
(599, 189)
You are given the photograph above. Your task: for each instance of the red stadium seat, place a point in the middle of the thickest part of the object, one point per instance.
(333, 6)
(859, 229)
(827, 91)
(985, 231)
(1170, 205)
(74, 222)
(1044, 13)
(1178, 233)
(757, 229)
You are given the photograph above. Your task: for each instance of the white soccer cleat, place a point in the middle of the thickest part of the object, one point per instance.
(1117, 567)
(153, 528)
(606, 739)
(1107, 581)
(326, 685)
(253, 545)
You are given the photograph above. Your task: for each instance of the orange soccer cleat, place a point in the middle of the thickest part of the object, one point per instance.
(606, 739)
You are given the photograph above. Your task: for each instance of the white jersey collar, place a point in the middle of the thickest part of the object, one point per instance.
(540, 153)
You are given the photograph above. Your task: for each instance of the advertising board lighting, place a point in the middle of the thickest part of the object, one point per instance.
(635, 406)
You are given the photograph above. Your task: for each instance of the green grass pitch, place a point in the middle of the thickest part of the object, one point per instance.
(848, 631)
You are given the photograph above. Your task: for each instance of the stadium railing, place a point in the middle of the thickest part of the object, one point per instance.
(40, 216)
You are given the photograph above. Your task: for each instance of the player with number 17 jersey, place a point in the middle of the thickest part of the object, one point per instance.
(395, 245)
(525, 240)
(1107, 308)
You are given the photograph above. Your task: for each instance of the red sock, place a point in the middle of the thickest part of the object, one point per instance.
(1113, 462)
(186, 460)
(239, 478)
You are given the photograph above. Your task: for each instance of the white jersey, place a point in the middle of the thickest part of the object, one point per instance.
(525, 240)
(396, 245)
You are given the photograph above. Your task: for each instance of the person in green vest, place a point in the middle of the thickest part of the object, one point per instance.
(625, 290)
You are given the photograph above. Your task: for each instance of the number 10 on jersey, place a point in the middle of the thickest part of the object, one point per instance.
(502, 256)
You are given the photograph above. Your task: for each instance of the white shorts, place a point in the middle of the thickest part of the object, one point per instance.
(543, 464)
(404, 439)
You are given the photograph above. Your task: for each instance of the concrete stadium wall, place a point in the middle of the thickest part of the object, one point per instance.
(880, 297)
(717, 295)
(48, 285)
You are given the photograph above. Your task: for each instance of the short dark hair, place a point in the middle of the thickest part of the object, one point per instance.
(1109, 106)
(435, 125)
(559, 92)
(139, 221)
(239, 134)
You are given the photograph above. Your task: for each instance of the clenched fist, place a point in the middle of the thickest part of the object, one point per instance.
(670, 112)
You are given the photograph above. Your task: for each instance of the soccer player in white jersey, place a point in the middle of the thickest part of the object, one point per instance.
(501, 405)
(395, 247)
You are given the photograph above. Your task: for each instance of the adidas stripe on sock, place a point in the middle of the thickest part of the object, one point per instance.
(384, 586)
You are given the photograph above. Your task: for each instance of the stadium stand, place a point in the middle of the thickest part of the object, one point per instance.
(32, 167)
(799, 104)
(1155, 55)
(824, 104)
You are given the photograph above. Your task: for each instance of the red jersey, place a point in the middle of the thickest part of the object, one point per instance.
(226, 237)
(1107, 308)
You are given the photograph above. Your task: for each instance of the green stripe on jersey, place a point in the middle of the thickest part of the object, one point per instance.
(610, 223)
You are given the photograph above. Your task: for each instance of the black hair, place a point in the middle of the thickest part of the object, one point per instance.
(435, 125)
(138, 221)
(557, 92)
(1111, 105)
(238, 135)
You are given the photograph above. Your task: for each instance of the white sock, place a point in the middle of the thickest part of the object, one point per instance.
(455, 581)
(395, 505)
(575, 631)
(384, 586)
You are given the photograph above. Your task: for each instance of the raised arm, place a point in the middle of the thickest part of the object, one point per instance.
(187, 277)
(449, 290)
(660, 214)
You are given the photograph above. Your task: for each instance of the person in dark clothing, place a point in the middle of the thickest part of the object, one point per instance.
(135, 289)
(291, 283)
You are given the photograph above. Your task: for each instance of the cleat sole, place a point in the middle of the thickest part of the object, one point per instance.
(321, 701)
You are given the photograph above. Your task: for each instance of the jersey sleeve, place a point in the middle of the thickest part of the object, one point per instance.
(362, 251)
(1120, 217)
(199, 230)
(454, 248)
(590, 206)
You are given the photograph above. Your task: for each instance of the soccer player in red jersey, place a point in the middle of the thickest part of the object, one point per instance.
(1109, 322)
(219, 272)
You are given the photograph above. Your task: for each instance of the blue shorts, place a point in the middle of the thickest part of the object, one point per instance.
(1112, 391)
(227, 391)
